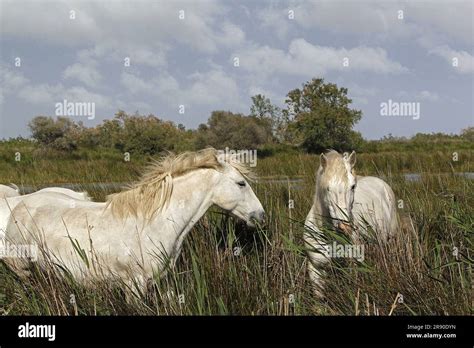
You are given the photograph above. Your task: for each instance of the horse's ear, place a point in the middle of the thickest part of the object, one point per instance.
(352, 159)
(323, 160)
(220, 157)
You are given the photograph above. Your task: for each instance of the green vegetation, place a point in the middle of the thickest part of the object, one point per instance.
(226, 268)
(316, 118)
(268, 275)
(322, 117)
(234, 131)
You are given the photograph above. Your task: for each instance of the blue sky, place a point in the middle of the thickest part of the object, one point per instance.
(423, 54)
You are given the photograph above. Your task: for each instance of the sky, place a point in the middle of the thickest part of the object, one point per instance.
(181, 60)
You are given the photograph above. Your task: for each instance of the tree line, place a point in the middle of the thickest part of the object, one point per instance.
(316, 117)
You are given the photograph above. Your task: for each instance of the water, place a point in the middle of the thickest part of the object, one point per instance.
(295, 183)
(413, 177)
(416, 177)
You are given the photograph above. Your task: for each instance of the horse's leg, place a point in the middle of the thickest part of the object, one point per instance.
(316, 262)
(317, 254)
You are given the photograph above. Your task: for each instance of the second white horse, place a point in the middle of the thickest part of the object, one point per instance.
(343, 200)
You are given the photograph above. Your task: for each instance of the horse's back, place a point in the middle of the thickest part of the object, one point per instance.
(7, 205)
(7, 191)
(39, 210)
(374, 202)
(67, 192)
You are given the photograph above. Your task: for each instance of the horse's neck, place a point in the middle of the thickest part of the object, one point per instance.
(191, 197)
(319, 208)
(190, 200)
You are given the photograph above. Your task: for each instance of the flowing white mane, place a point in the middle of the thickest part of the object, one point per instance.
(153, 191)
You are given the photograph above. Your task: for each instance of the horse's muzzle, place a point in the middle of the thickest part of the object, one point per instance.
(345, 228)
(258, 216)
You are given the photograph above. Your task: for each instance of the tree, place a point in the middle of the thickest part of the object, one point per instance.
(140, 134)
(468, 134)
(269, 114)
(320, 117)
(262, 107)
(53, 133)
(236, 131)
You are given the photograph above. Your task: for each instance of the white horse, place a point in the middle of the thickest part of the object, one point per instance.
(351, 204)
(142, 228)
(9, 191)
(14, 191)
(7, 205)
(83, 196)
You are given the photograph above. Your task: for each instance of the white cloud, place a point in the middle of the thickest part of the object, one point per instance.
(376, 22)
(80, 94)
(381, 20)
(230, 36)
(87, 74)
(276, 19)
(40, 94)
(11, 80)
(465, 61)
(161, 86)
(359, 94)
(116, 52)
(155, 57)
(306, 59)
(138, 24)
(144, 32)
(423, 95)
(135, 84)
(44, 94)
(213, 88)
(443, 20)
(356, 18)
(428, 96)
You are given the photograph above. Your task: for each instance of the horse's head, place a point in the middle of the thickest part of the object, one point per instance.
(337, 183)
(233, 193)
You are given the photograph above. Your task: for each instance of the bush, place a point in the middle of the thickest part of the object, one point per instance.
(236, 131)
(135, 134)
(140, 134)
(53, 133)
(468, 134)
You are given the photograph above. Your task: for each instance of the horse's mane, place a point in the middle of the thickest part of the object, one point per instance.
(153, 191)
(335, 168)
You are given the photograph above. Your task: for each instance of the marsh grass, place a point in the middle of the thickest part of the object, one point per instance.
(226, 268)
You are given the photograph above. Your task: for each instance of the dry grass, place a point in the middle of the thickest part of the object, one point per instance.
(226, 268)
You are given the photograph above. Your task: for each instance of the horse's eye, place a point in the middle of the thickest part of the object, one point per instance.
(241, 183)
(353, 187)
